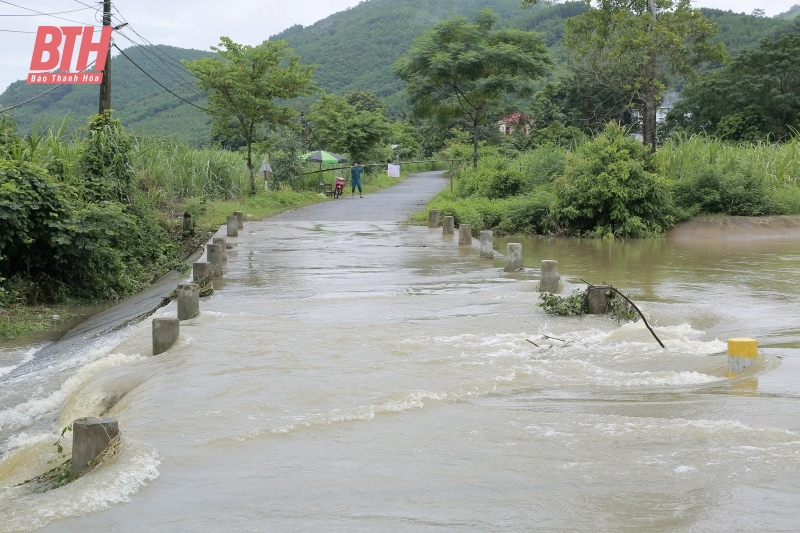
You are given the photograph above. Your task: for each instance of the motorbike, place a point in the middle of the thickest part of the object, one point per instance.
(339, 187)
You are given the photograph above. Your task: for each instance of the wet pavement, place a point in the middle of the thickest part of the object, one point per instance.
(395, 204)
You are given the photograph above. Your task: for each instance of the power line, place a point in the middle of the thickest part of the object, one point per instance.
(177, 62)
(17, 31)
(43, 13)
(171, 73)
(31, 99)
(53, 88)
(48, 14)
(158, 82)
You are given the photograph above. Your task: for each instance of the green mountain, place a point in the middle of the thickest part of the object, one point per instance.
(793, 13)
(353, 49)
(139, 102)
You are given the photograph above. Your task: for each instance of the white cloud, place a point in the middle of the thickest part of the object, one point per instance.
(200, 23)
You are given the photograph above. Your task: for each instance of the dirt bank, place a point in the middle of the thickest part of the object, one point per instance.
(718, 228)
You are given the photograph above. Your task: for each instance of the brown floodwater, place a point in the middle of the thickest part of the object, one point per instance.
(377, 377)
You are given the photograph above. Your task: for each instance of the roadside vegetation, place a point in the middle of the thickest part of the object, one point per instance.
(97, 214)
(609, 186)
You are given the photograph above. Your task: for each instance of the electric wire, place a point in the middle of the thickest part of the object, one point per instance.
(122, 18)
(43, 13)
(48, 14)
(18, 31)
(158, 82)
(51, 89)
(149, 54)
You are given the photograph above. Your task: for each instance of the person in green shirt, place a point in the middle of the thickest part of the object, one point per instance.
(355, 178)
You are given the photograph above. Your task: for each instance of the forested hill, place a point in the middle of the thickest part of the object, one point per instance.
(353, 49)
(139, 102)
(357, 48)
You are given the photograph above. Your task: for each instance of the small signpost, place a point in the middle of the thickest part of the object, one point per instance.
(266, 170)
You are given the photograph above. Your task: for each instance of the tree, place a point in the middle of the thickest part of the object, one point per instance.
(610, 186)
(634, 46)
(460, 69)
(364, 101)
(756, 95)
(243, 84)
(340, 127)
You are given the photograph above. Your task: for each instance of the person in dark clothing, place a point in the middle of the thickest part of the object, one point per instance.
(355, 178)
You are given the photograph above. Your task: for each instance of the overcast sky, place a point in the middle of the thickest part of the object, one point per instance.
(200, 23)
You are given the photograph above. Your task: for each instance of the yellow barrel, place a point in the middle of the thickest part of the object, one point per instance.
(741, 354)
(747, 348)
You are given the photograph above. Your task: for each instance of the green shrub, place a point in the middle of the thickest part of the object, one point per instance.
(609, 188)
(496, 177)
(734, 191)
(105, 162)
(542, 165)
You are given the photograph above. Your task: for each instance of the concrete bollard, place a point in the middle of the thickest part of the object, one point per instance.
(188, 300)
(548, 282)
(187, 222)
(240, 219)
(165, 333)
(200, 270)
(214, 256)
(233, 226)
(487, 244)
(465, 235)
(598, 301)
(513, 257)
(433, 218)
(222, 242)
(90, 438)
(448, 226)
(741, 354)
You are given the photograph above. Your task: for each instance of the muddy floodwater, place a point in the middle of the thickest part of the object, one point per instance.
(375, 377)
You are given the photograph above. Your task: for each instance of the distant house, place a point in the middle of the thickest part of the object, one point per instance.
(667, 104)
(509, 124)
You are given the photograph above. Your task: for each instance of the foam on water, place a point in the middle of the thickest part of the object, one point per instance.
(27, 355)
(24, 414)
(135, 466)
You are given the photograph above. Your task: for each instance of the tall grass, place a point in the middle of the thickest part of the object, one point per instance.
(778, 164)
(167, 169)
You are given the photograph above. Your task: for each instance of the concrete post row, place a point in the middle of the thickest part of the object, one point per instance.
(188, 301)
(598, 301)
(487, 244)
(214, 255)
(433, 218)
(200, 270)
(165, 332)
(222, 242)
(741, 354)
(513, 257)
(548, 282)
(448, 226)
(90, 437)
(465, 235)
(233, 226)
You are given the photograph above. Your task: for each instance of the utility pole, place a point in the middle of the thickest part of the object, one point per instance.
(105, 85)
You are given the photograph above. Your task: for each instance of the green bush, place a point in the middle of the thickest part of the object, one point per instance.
(105, 162)
(734, 191)
(542, 165)
(609, 188)
(496, 177)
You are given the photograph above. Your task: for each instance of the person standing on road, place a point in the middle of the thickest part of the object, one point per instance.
(355, 178)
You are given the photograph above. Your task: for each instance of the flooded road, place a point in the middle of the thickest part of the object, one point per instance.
(370, 376)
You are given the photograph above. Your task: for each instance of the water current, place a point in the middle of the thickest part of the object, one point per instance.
(377, 377)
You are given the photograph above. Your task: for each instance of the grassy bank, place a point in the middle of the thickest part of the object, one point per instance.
(610, 187)
(116, 210)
